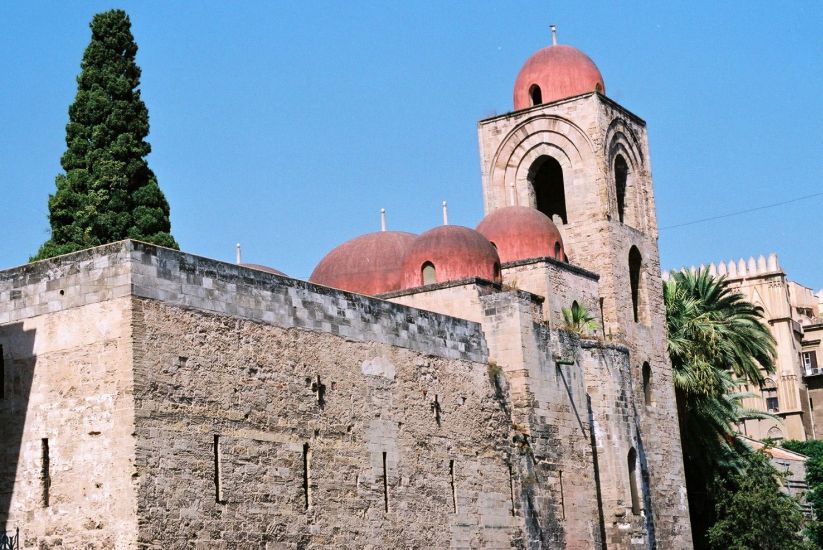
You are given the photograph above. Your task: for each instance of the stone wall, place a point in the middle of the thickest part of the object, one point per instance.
(199, 375)
(66, 413)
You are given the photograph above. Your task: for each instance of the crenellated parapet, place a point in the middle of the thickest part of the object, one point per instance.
(740, 268)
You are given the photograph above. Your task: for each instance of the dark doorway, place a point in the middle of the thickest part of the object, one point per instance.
(546, 177)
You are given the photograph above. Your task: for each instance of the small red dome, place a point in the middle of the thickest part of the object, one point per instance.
(558, 72)
(369, 264)
(520, 232)
(448, 253)
(267, 269)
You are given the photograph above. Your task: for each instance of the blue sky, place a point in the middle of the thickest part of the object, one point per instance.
(287, 126)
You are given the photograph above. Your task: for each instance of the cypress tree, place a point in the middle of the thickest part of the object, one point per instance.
(107, 191)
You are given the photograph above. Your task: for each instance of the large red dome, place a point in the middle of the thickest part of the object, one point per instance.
(448, 253)
(369, 264)
(520, 232)
(558, 72)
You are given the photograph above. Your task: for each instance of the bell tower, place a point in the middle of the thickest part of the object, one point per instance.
(582, 159)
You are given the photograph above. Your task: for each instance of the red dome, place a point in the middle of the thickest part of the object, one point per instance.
(455, 252)
(520, 232)
(369, 264)
(267, 269)
(558, 71)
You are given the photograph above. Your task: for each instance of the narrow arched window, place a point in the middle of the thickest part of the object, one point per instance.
(647, 384)
(557, 250)
(598, 88)
(546, 177)
(535, 94)
(633, 487)
(635, 280)
(496, 272)
(428, 273)
(769, 390)
(621, 174)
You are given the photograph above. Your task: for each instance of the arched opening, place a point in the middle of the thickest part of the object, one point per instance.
(535, 94)
(769, 390)
(775, 434)
(557, 250)
(621, 174)
(546, 177)
(635, 265)
(598, 88)
(647, 384)
(497, 277)
(429, 274)
(633, 488)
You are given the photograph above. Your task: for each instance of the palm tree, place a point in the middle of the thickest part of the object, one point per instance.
(578, 320)
(716, 341)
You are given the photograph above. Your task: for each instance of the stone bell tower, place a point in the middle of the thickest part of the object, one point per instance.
(583, 160)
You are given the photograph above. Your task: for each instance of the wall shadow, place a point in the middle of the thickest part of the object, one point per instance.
(16, 375)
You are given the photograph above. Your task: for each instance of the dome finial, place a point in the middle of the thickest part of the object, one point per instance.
(554, 34)
(237, 250)
(445, 213)
(382, 219)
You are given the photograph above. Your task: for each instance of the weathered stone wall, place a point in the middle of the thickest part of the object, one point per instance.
(559, 284)
(198, 375)
(66, 344)
(555, 479)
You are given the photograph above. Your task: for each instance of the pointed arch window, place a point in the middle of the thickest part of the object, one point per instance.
(647, 384)
(621, 174)
(546, 178)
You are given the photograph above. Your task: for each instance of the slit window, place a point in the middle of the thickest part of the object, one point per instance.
(218, 485)
(306, 481)
(385, 485)
(647, 384)
(45, 471)
(535, 94)
(429, 273)
(453, 486)
(546, 178)
(635, 265)
(557, 249)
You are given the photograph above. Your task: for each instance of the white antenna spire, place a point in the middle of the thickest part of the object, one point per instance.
(554, 34)
(382, 219)
(237, 248)
(445, 213)
(512, 195)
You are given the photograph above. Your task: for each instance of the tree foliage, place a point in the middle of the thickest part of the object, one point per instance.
(813, 449)
(714, 335)
(752, 511)
(107, 191)
(713, 332)
(578, 320)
